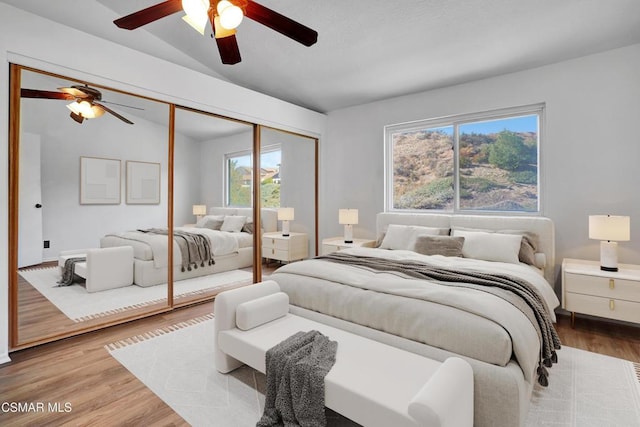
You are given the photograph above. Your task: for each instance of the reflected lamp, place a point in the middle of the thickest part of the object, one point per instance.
(199, 211)
(348, 218)
(285, 215)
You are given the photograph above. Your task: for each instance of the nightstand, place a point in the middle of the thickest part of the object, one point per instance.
(291, 248)
(333, 244)
(587, 289)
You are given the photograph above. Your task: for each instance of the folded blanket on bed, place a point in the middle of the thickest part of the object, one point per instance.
(516, 291)
(194, 248)
(68, 271)
(295, 371)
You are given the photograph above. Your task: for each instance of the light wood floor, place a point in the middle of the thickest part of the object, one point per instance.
(100, 391)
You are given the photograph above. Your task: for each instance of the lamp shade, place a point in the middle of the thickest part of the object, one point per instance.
(285, 214)
(609, 227)
(348, 216)
(199, 209)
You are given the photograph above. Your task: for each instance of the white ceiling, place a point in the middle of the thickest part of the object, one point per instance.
(369, 50)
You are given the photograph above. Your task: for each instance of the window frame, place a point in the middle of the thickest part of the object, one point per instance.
(456, 121)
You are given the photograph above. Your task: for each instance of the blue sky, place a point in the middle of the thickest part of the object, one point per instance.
(515, 124)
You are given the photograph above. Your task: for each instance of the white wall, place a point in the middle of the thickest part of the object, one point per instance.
(30, 40)
(589, 158)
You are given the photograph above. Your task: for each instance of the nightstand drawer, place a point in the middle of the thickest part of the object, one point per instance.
(603, 307)
(327, 249)
(271, 242)
(602, 286)
(273, 253)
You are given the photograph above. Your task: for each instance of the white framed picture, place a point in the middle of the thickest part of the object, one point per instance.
(143, 183)
(99, 181)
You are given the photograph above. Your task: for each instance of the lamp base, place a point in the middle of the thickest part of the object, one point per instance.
(608, 256)
(348, 233)
(285, 228)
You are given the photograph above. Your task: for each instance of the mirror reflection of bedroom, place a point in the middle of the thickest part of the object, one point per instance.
(79, 182)
(103, 194)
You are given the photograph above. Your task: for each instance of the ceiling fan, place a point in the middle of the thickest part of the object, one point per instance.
(224, 16)
(85, 105)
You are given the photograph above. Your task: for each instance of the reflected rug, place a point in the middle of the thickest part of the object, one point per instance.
(79, 305)
(176, 363)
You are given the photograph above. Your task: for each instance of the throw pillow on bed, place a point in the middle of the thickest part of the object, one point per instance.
(439, 245)
(404, 236)
(213, 222)
(490, 246)
(528, 246)
(233, 223)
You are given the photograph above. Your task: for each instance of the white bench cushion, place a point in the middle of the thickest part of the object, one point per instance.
(371, 383)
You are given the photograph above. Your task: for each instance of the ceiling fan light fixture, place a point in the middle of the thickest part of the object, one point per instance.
(230, 14)
(85, 109)
(198, 23)
(196, 13)
(219, 31)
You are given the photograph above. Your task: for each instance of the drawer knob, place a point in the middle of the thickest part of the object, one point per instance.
(273, 251)
(612, 284)
(612, 305)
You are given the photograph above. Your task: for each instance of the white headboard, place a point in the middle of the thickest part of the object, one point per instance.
(268, 217)
(542, 226)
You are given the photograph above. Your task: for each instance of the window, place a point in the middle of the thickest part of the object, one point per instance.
(239, 178)
(473, 162)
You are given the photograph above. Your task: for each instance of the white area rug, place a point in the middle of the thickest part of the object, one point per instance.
(586, 389)
(79, 305)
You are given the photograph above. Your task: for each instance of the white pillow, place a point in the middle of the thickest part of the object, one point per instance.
(233, 223)
(404, 236)
(490, 246)
(214, 222)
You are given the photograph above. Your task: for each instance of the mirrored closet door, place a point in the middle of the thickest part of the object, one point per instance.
(89, 167)
(288, 169)
(213, 198)
(112, 196)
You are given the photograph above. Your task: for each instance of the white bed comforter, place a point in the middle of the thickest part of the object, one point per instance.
(148, 246)
(461, 320)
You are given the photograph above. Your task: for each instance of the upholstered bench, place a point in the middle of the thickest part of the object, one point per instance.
(104, 268)
(371, 383)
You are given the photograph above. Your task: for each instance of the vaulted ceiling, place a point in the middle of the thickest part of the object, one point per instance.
(369, 50)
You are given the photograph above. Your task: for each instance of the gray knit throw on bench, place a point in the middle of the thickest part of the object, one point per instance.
(69, 271)
(295, 380)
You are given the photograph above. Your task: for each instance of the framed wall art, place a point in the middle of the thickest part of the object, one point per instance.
(99, 181)
(143, 183)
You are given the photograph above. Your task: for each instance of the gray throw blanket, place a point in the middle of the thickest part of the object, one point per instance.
(296, 368)
(513, 290)
(69, 270)
(194, 248)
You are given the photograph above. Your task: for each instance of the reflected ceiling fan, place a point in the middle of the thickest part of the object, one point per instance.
(224, 16)
(85, 105)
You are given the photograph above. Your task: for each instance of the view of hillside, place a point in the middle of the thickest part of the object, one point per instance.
(498, 171)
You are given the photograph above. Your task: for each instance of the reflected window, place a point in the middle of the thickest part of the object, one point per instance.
(239, 177)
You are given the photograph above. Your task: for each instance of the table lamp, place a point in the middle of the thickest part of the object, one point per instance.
(285, 215)
(199, 211)
(609, 229)
(348, 217)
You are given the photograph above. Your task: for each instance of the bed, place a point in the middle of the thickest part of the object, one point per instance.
(230, 250)
(391, 304)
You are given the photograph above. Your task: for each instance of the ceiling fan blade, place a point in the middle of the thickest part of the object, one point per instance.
(46, 94)
(150, 14)
(281, 23)
(229, 51)
(110, 111)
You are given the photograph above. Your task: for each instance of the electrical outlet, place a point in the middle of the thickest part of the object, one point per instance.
(47, 244)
